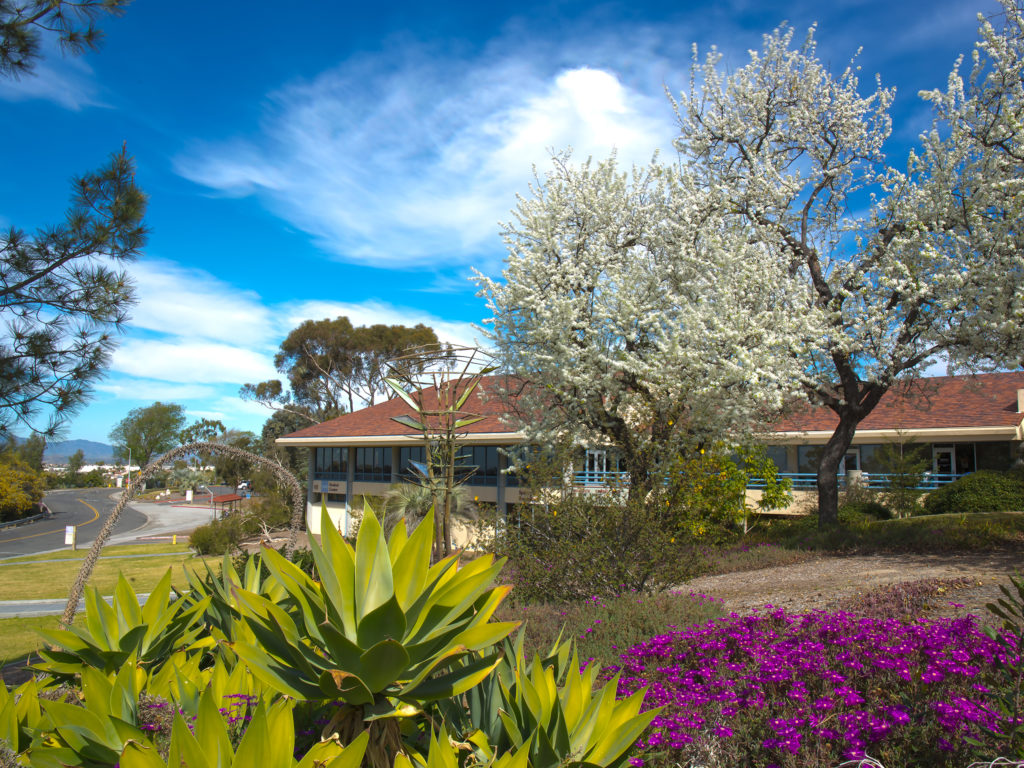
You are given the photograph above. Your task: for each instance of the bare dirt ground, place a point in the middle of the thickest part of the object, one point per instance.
(825, 582)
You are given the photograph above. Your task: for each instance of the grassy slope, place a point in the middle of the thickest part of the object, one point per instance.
(26, 579)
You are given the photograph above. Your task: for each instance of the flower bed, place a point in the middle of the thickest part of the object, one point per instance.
(772, 689)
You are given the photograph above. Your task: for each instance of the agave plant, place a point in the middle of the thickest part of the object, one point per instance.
(94, 734)
(113, 634)
(383, 630)
(223, 613)
(267, 742)
(550, 710)
(20, 715)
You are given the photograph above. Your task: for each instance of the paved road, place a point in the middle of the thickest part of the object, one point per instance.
(86, 508)
(15, 609)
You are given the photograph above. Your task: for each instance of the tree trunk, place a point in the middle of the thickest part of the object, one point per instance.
(828, 469)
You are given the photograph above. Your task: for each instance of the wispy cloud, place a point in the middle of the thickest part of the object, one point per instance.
(395, 159)
(189, 362)
(126, 388)
(63, 79)
(193, 304)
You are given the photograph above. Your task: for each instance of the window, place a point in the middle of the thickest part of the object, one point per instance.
(409, 454)
(807, 457)
(777, 453)
(330, 464)
(997, 455)
(485, 459)
(373, 465)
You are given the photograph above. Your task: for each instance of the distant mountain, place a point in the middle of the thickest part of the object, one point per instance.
(59, 451)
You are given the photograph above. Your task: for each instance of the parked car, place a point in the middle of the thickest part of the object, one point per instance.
(245, 485)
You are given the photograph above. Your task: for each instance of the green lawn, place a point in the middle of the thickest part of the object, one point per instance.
(27, 579)
(18, 637)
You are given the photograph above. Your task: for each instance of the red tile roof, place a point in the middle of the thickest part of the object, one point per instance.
(940, 402)
(378, 419)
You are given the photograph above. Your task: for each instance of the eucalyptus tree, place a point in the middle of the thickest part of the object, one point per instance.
(934, 267)
(641, 316)
(331, 366)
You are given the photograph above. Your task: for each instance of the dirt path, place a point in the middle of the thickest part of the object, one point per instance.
(827, 581)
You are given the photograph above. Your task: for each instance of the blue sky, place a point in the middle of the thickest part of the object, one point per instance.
(308, 160)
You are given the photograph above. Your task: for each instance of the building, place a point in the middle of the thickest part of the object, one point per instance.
(366, 451)
(965, 423)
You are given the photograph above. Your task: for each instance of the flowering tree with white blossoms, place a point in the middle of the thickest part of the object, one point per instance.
(934, 268)
(641, 318)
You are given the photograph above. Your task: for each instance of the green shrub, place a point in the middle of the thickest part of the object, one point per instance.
(867, 508)
(218, 537)
(21, 489)
(984, 491)
(922, 534)
(588, 545)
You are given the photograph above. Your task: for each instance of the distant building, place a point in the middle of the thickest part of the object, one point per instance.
(965, 423)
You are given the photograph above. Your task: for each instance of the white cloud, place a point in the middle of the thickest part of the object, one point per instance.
(374, 312)
(147, 389)
(401, 163)
(179, 360)
(195, 305)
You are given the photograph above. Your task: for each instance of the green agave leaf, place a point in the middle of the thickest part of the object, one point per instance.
(383, 665)
(331, 755)
(615, 741)
(279, 676)
(131, 641)
(351, 688)
(336, 566)
(412, 563)
(341, 651)
(467, 421)
(211, 733)
(99, 620)
(255, 747)
(280, 726)
(485, 635)
(126, 603)
(136, 755)
(452, 683)
(374, 583)
(387, 621)
(185, 750)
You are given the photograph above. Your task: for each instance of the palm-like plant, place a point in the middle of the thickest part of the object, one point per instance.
(411, 503)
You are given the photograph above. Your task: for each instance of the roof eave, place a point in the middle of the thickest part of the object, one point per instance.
(932, 434)
(478, 438)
